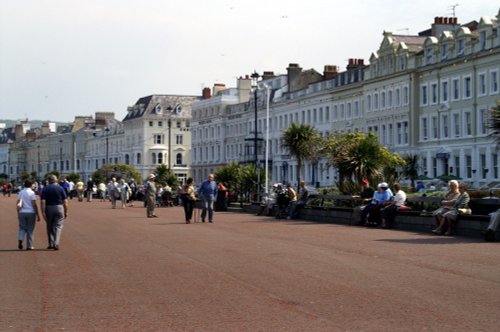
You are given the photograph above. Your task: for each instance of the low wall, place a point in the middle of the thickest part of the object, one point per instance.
(469, 225)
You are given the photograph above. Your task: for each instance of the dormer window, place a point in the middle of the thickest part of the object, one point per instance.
(158, 109)
(482, 40)
(444, 52)
(428, 56)
(460, 47)
(402, 62)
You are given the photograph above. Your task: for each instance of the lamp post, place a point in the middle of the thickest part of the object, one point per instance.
(268, 95)
(169, 143)
(38, 166)
(255, 76)
(60, 156)
(107, 145)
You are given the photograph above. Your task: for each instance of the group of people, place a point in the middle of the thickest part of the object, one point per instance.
(287, 199)
(455, 202)
(207, 192)
(379, 206)
(54, 210)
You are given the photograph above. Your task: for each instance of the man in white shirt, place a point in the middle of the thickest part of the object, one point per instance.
(389, 212)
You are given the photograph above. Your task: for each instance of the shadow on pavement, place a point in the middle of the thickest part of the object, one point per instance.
(433, 240)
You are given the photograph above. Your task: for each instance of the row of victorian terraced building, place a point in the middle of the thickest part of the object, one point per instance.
(428, 94)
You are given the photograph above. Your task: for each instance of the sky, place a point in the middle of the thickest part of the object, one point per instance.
(64, 58)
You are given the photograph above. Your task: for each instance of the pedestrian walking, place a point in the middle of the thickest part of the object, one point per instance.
(208, 193)
(125, 192)
(101, 190)
(113, 192)
(54, 210)
(188, 199)
(27, 212)
(150, 193)
(90, 189)
(79, 190)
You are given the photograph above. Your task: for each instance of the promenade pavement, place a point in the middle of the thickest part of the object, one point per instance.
(120, 271)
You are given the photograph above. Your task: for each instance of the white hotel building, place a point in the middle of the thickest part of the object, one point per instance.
(427, 95)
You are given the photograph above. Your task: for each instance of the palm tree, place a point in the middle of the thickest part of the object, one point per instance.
(410, 168)
(230, 176)
(358, 156)
(302, 142)
(165, 176)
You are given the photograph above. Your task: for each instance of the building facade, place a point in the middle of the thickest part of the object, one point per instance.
(427, 95)
(157, 130)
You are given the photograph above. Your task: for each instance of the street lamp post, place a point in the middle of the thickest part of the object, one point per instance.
(169, 143)
(107, 145)
(38, 166)
(267, 139)
(255, 76)
(60, 156)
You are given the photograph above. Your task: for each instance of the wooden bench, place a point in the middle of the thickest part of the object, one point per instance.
(337, 201)
(421, 221)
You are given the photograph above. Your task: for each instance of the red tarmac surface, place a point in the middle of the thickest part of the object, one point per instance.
(119, 271)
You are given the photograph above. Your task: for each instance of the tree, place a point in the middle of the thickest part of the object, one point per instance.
(25, 176)
(240, 179)
(303, 143)
(411, 168)
(229, 175)
(73, 177)
(108, 171)
(165, 176)
(359, 156)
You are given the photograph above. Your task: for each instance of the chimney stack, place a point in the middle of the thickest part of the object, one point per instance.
(218, 87)
(268, 75)
(442, 24)
(355, 64)
(329, 72)
(206, 93)
(293, 76)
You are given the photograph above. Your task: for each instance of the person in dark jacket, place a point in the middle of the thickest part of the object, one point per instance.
(54, 211)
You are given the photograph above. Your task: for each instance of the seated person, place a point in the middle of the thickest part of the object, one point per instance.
(365, 196)
(302, 200)
(447, 202)
(489, 234)
(461, 206)
(420, 186)
(389, 211)
(268, 201)
(282, 199)
(371, 213)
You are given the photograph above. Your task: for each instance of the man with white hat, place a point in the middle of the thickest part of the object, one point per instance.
(150, 196)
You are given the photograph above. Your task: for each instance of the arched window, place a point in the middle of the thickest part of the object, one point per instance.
(153, 158)
(160, 158)
(139, 161)
(178, 159)
(127, 159)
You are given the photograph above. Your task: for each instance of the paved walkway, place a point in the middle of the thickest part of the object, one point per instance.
(119, 271)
